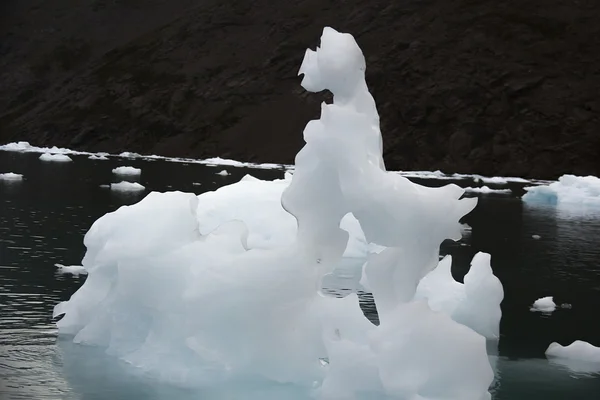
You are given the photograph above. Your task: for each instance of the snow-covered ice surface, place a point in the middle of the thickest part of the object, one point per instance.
(10, 176)
(487, 190)
(55, 157)
(71, 269)
(196, 292)
(125, 186)
(544, 304)
(127, 171)
(570, 190)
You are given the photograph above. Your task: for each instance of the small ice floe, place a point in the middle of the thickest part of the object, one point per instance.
(578, 350)
(125, 186)
(127, 171)
(75, 270)
(569, 190)
(11, 176)
(100, 157)
(223, 173)
(55, 157)
(485, 189)
(544, 304)
(196, 183)
(105, 186)
(536, 237)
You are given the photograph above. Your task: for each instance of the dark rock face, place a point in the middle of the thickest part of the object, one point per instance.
(496, 87)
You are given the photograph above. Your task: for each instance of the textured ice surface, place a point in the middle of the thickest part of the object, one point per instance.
(127, 171)
(578, 350)
(544, 304)
(223, 287)
(56, 157)
(476, 303)
(569, 190)
(10, 176)
(71, 269)
(125, 186)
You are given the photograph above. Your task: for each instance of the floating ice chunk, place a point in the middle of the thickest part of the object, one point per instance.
(99, 157)
(71, 269)
(125, 186)
(544, 304)
(127, 171)
(196, 183)
(487, 190)
(536, 237)
(223, 173)
(55, 157)
(129, 154)
(176, 281)
(569, 189)
(578, 350)
(566, 306)
(476, 303)
(11, 176)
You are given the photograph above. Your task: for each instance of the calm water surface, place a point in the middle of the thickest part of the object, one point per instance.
(44, 217)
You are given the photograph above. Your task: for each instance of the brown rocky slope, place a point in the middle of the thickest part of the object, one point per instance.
(496, 87)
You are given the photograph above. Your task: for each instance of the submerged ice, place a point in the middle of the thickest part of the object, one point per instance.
(227, 285)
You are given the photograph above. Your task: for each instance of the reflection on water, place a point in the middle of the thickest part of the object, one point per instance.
(44, 217)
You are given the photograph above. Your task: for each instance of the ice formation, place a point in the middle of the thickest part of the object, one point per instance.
(223, 173)
(578, 350)
(487, 190)
(476, 303)
(194, 294)
(11, 176)
(125, 186)
(536, 237)
(55, 157)
(569, 190)
(544, 304)
(99, 157)
(71, 269)
(127, 171)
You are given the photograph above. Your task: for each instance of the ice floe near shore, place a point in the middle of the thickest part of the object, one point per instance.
(568, 190)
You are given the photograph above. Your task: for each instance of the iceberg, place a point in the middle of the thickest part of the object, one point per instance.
(125, 186)
(99, 157)
(55, 157)
(578, 350)
(568, 190)
(11, 176)
(75, 270)
(544, 304)
(227, 286)
(487, 190)
(127, 171)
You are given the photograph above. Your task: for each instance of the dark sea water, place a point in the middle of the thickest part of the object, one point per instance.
(44, 217)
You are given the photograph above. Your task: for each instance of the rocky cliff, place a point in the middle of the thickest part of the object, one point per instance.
(496, 87)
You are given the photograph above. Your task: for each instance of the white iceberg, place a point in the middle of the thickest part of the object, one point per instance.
(55, 157)
(536, 237)
(99, 157)
(125, 186)
(11, 176)
(544, 304)
(569, 190)
(223, 173)
(127, 171)
(195, 292)
(578, 350)
(75, 270)
(487, 190)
